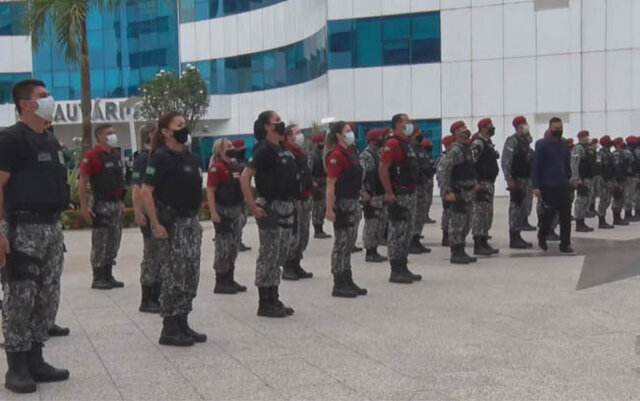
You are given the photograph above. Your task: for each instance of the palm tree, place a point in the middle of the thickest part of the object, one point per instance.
(69, 22)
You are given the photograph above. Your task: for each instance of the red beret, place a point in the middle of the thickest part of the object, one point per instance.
(317, 138)
(238, 143)
(570, 141)
(618, 141)
(446, 141)
(519, 121)
(484, 122)
(630, 139)
(475, 136)
(426, 143)
(416, 129)
(456, 125)
(374, 134)
(583, 134)
(605, 140)
(594, 141)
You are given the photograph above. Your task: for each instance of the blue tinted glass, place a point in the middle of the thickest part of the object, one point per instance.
(396, 52)
(6, 82)
(11, 18)
(197, 10)
(396, 27)
(341, 44)
(369, 43)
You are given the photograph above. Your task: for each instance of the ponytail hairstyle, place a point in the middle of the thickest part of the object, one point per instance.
(332, 139)
(164, 121)
(220, 148)
(258, 126)
(147, 131)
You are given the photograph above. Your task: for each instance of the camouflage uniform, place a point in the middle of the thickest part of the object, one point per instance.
(460, 210)
(424, 194)
(402, 215)
(346, 233)
(228, 236)
(320, 187)
(514, 153)
(636, 197)
(274, 230)
(150, 267)
(631, 181)
(300, 233)
(444, 223)
(106, 233)
(621, 177)
(482, 212)
(180, 269)
(580, 169)
(605, 160)
(375, 211)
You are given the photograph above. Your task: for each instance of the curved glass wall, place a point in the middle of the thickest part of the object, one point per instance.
(196, 10)
(12, 18)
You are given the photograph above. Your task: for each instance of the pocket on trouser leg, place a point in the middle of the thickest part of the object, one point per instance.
(397, 212)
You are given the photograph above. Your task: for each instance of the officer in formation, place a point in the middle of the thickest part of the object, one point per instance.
(33, 192)
(447, 141)
(373, 207)
(486, 158)
(606, 166)
(631, 181)
(583, 163)
(399, 176)
(101, 166)
(150, 267)
(344, 182)
(278, 185)
(596, 181)
(319, 185)
(292, 269)
(622, 173)
(226, 203)
(431, 172)
(425, 172)
(240, 156)
(635, 148)
(171, 195)
(458, 177)
(516, 167)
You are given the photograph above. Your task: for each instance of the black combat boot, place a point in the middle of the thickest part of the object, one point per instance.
(591, 212)
(516, 241)
(289, 271)
(628, 215)
(445, 238)
(602, 223)
(57, 331)
(183, 323)
(618, 220)
(459, 256)
(405, 267)
(352, 284)
(429, 220)
(399, 274)
(109, 276)
(41, 371)
(172, 334)
(567, 249)
(373, 256)
(224, 284)
(319, 232)
(157, 290)
(266, 306)
(232, 280)
(302, 273)
(485, 240)
(417, 246)
(147, 303)
(100, 279)
(275, 295)
(479, 247)
(528, 227)
(356, 249)
(18, 378)
(341, 287)
(553, 237)
(582, 227)
(243, 248)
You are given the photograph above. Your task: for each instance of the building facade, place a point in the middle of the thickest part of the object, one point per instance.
(358, 60)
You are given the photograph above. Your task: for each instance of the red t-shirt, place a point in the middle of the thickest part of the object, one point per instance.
(337, 161)
(219, 173)
(91, 164)
(391, 152)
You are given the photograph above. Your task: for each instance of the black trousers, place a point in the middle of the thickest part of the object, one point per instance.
(556, 200)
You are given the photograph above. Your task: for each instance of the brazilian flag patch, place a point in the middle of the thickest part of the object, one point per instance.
(85, 160)
(213, 169)
(151, 170)
(136, 175)
(387, 149)
(333, 161)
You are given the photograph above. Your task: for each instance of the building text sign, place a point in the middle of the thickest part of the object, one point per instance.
(110, 111)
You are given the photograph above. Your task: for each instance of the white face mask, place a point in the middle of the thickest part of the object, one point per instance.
(188, 143)
(46, 108)
(525, 129)
(112, 140)
(408, 130)
(299, 140)
(349, 138)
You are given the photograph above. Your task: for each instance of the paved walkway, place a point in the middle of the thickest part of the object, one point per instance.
(512, 327)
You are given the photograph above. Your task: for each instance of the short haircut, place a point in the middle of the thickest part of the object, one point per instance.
(23, 89)
(98, 130)
(555, 120)
(289, 129)
(397, 118)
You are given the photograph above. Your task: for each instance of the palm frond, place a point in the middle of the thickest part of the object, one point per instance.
(69, 19)
(36, 20)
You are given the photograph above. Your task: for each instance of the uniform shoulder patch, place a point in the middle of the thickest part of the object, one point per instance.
(213, 169)
(85, 160)
(151, 170)
(387, 149)
(333, 160)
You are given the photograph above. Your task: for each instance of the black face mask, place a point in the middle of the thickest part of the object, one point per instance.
(466, 134)
(556, 134)
(320, 147)
(419, 138)
(280, 127)
(491, 131)
(181, 135)
(240, 154)
(379, 143)
(231, 153)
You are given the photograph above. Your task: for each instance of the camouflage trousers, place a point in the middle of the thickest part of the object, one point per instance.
(150, 266)
(31, 282)
(444, 221)
(319, 206)
(106, 233)
(596, 183)
(604, 194)
(519, 211)
(630, 192)
(482, 210)
(180, 269)
(300, 233)
(274, 231)
(345, 230)
(460, 217)
(422, 211)
(375, 222)
(228, 237)
(582, 199)
(617, 193)
(429, 200)
(401, 222)
(244, 216)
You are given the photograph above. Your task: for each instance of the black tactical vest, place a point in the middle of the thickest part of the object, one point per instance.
(521, 165)
(182, 187)
(465, 171)
(607, 165)
(372, 183)
(487, 165)
(304, 168)
(281, 182)
(228, 193)
(110, 177)
(585, 168)
(317, 170)
(40, 184)
(406, 172)
(349, 183)
(426, 168)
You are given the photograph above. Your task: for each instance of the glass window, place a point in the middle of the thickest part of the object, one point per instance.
(6, 83)
(369, 43)
(196, 10)
(341, 44)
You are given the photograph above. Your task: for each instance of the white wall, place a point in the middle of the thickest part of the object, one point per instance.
(16, 54)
